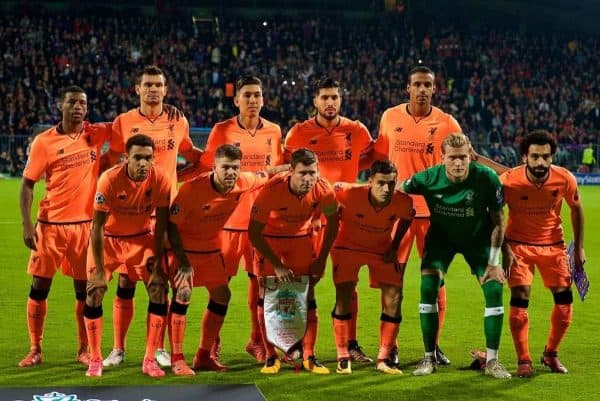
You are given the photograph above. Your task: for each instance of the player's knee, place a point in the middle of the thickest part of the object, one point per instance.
(492, 291)
(217, 308)
(156, 294)
(157, 308)
(125, 282)
(563, 297)
(80, 295)
(125, 292)
(178, 308)
(395, 318)
(95, 296)
(92, 312)
(41, 283)
(519, 302)
(183, 295)
(38, 294)
(341, 315)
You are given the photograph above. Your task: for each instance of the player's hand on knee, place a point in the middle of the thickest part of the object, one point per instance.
(158, 286)
(495, 273)
(184, 273)
(96, 288)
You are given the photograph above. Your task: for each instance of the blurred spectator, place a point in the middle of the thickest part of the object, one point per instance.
(6, 164)
(498, 83)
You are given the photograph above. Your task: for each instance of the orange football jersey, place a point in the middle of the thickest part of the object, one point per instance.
(130, 203)
(200, 211)
(70, 164)
(364, 227)
(260, 150)
(413, 143)
(339, 151)
(286, 214)
(534, 210)
(170, 137)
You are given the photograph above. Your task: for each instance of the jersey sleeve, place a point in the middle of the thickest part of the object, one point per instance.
(103, 198)
(417, 183)
(261, 207)
(571, 191)
(37, 162)
(179, 208)
(405, 207)
(340, 190)
(186, 141)
(381, 147)
(290, 145)
(215, 139)
(117, 144)
(365, 141)
(278, 152)
(453, 126)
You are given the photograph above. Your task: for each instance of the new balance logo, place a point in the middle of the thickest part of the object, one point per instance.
(360, 215)
(398, 130)
(135, 130)
(60, 152)
(313, 141)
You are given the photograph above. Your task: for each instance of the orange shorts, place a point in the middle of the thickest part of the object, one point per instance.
(209, 268)
(131, 255)
(552, 262)
(347, 263)
(235, 245)
(60, 245)
(417, 230)
(295, 252)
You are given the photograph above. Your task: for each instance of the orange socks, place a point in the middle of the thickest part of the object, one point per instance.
(341, 328)
(122, 316)
(560, 320)
(519, 327)
(388, 331)
(252, 305)
(312, 321)
(36, 316)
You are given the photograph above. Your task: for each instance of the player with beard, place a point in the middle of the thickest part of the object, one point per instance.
(340, 145)
(534, 193)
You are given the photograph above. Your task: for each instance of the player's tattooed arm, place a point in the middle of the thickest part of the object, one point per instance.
(97, 284)
(185, 271)
(494, 270)
(271, 171)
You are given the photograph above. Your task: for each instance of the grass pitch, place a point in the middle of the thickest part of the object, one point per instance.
(463, 331)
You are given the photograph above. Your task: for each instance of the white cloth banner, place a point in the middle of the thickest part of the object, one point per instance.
(285, 311)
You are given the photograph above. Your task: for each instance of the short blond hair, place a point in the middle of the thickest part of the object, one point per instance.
(456, 140)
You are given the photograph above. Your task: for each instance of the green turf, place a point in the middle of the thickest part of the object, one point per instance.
(463, 331)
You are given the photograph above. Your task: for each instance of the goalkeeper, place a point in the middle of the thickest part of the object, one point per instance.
(534, 192)
(465, 200)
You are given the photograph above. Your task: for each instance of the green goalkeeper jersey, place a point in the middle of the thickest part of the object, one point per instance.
(459, 211)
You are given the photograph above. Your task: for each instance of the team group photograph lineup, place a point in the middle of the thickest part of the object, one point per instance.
(205, 201)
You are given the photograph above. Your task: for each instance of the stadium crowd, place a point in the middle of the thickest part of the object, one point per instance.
(497, 84)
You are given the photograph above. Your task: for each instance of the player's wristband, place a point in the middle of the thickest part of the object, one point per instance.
(494, 259)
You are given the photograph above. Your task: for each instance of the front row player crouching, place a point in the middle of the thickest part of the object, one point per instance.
(122, 235)
(465, 200)
(280, 230)
(198, 214)
(368, 214)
